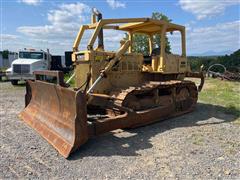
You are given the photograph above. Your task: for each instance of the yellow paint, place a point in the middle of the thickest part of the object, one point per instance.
(125, 68)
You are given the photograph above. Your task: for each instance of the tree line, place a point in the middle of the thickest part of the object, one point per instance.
(231, 62)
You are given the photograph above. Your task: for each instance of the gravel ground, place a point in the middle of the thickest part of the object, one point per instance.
(202, 145)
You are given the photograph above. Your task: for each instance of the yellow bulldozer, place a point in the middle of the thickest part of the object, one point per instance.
(113, 90)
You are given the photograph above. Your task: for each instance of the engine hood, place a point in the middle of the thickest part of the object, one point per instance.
(26, 61)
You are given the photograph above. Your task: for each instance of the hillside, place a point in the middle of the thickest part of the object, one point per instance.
(231, 62)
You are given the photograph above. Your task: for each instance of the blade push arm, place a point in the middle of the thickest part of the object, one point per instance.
(109, 66)
(117, 57)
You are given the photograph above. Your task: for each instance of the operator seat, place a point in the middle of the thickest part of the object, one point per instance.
(156, 52)
(148, 59)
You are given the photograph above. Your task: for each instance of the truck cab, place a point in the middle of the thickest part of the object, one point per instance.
(29, 60)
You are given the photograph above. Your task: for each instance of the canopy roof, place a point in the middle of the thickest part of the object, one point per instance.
(150, 26)
(138, 25)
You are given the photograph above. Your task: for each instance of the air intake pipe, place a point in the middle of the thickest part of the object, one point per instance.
(100, 35)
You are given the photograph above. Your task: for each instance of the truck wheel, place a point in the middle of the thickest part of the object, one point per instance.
(14, 82)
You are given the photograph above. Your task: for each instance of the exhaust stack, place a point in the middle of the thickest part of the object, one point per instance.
(97, 14)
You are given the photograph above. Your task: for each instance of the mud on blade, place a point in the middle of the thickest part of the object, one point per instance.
(58, 114)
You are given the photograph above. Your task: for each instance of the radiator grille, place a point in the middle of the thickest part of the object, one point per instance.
(21, 69)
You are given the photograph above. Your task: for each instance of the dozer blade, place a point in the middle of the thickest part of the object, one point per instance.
(58, 114)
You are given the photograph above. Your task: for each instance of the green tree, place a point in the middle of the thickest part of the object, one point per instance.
(140, 41)
(5, 54)
(156, 38)
(231, 62)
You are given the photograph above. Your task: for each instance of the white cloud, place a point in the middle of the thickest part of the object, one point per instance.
(64, 20)
(8, 37)
(112, 39)
(61, 31)
(64, 23)
(68, 14)
(12, 42)
(206, 8)
(31, 2)
(218, 38)
(115, 4)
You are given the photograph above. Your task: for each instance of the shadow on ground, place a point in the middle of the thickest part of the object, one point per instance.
(139, 139)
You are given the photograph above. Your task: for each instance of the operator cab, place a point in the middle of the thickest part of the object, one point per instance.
(156, 60)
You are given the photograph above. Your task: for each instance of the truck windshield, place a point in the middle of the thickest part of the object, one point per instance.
(31, 55)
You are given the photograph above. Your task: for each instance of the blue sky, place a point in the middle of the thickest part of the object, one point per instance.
(212, 25)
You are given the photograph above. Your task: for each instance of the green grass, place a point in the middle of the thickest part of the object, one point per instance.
(3, 69)
(67, 76)
(223, 93)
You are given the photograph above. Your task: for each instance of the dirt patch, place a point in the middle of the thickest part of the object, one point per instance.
(202, 145)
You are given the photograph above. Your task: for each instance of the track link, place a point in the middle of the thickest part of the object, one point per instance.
(182, 94)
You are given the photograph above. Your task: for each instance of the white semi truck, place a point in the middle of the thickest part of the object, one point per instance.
(29, 60)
